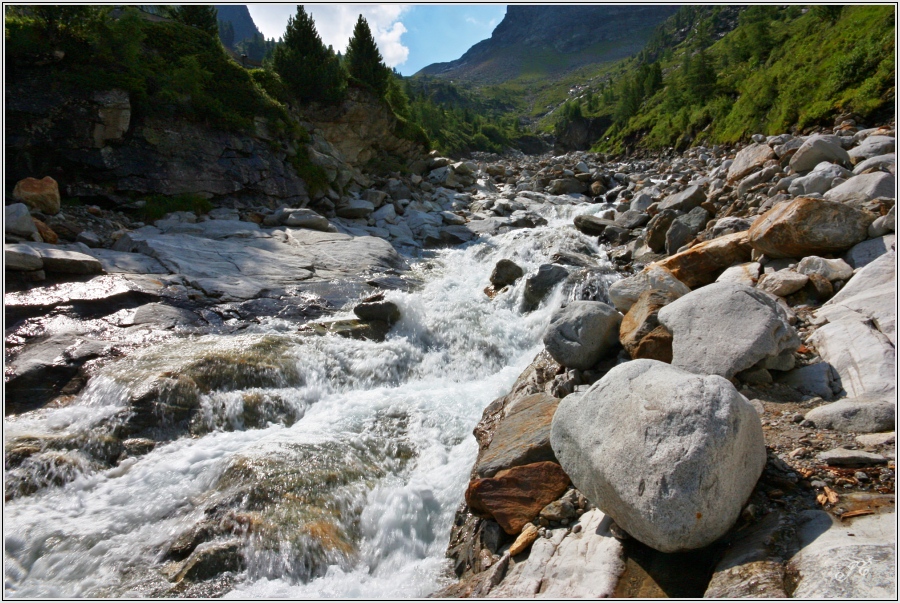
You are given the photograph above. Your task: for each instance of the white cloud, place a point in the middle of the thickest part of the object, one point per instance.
(335, 23)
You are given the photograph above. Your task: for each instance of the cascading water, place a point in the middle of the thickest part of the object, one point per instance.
(318, 466)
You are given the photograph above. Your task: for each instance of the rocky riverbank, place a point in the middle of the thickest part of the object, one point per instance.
(728, 401)
(761, 462)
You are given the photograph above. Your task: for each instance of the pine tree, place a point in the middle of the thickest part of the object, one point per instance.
(363, 60)
(203, 17)
(309, 71)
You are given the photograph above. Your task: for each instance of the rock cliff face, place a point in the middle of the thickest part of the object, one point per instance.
(581, 34)
(98, 150)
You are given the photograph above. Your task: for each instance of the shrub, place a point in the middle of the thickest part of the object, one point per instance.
(157, 206)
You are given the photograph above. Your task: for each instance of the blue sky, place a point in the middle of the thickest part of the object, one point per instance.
(410, 36)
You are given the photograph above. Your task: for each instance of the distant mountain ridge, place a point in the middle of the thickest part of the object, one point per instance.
(239, 17)
(554, 38)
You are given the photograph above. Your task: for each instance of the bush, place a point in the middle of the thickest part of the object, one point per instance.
(157, 206)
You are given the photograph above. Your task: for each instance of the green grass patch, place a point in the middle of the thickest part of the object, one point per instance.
(157, 206)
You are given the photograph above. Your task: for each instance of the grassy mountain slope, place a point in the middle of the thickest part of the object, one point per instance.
(782, 67)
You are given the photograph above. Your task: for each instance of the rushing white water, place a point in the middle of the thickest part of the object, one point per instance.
(348, 489)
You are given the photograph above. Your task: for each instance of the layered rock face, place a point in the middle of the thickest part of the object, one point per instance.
(93, 145)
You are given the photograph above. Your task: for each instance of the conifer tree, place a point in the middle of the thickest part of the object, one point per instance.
(309, 70)
(203, 17)
(363, 60)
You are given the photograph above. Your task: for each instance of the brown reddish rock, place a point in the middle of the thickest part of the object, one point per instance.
(522, 436)
(656, 345)
(748, 160)
(516, 496)
(642, 320)
(42, 195)
(702, 263)
(807, 226)
(47, 234)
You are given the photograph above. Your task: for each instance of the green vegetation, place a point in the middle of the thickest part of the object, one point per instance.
(203, 17)
(781, 67)
(363, 61)
(169, 70)
(309, 70)
(157, 206)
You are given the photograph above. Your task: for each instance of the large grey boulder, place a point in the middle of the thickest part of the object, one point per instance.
(819, 180)
(725, 328)
(873, 146)
(864, 188)
(684, 228)
(582, 333)
(670, 455)
(686, 200)
(17, 221)
(817, 149)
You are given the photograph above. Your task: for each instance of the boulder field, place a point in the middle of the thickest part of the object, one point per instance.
(729, 413)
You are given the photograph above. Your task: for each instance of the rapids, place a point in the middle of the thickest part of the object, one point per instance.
(329, 467)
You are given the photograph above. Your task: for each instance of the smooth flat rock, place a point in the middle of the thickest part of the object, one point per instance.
(69, 262)
(869, 293)
(582, 334)
(213, 229)
(625, 292)
(853, 559)
(126, 263)
(807, 226)
(877, 439)
(849, 458)
(725, 328)
(863, 357)
(574, 565)
(21, 257)
(521, 437)
(864, 253)
(868, 413)
(701, 264)
(671, 456)
(162, 316)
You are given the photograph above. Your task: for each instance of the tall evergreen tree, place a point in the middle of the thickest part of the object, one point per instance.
(309, 70)
(363, 60)
(203, 17)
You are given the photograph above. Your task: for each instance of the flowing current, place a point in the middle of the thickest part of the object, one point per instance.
(329, 467)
